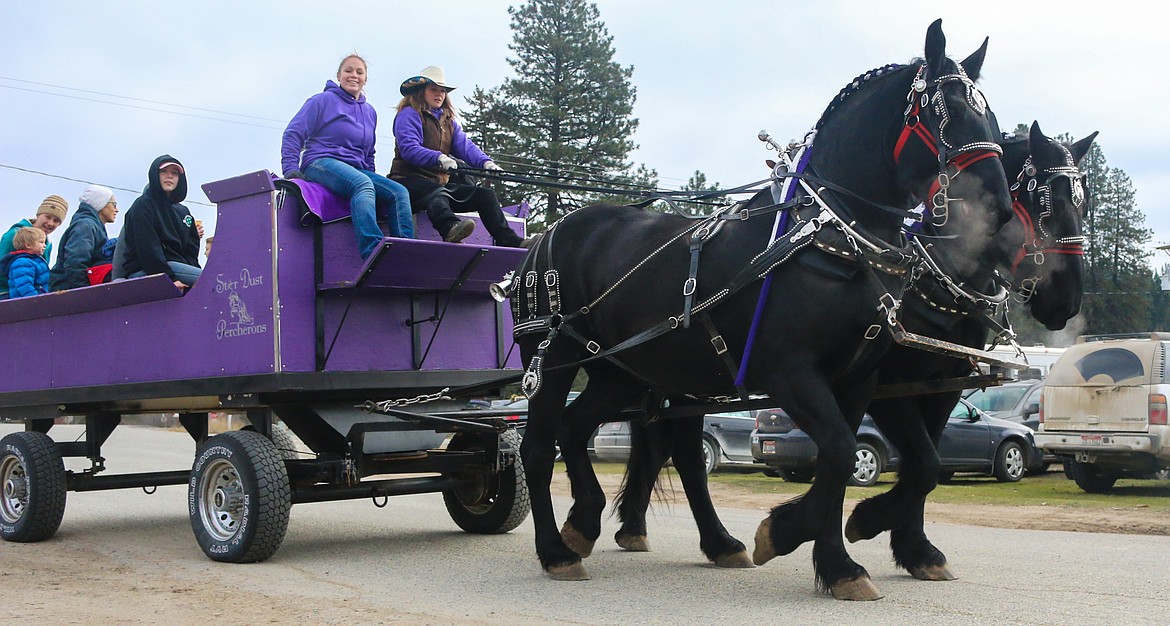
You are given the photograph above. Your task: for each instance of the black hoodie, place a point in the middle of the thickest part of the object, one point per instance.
(157, 229)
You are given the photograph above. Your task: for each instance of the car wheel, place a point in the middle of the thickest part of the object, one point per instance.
(772, 473)
(867, 467)
(1010, 463)
(32, 482)
(710, 455)
(1162, 474)
(1091, 478)
(797, 476)
(944, 478)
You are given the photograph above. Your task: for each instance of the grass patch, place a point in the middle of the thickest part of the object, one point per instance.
(1049, 489)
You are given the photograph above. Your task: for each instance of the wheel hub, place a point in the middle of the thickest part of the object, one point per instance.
(221, 500)
(15, 482)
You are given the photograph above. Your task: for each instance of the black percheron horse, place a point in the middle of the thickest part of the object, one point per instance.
(610, 289)
(1039, 250)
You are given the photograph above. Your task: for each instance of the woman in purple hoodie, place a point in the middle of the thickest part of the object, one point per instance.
(330, 141)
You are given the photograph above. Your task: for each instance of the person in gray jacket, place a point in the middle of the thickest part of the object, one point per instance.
(82, 245)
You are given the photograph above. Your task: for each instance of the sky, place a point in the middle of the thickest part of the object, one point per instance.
(94, 91)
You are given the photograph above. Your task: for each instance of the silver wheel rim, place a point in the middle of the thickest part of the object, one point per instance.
(221, 500)
(14, 483)
(1014, 459)
(708, 458)
(866, 467)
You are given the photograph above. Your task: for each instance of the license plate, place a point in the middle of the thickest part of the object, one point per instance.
(769, 447)
(1091, 440)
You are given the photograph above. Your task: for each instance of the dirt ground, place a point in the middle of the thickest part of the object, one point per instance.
(1137, 521)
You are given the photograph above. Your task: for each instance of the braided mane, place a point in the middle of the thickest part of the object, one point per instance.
(856, 84)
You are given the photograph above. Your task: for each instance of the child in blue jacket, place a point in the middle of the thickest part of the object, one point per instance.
(26, 269)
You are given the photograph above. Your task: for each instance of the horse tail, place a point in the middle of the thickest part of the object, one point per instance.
(650, 446)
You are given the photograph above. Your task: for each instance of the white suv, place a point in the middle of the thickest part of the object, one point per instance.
(1104, 409)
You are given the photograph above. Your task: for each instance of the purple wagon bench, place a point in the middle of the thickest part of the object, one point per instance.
(285, 321)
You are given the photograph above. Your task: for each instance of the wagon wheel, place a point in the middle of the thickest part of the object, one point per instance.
(32, 480)
(239, 497)
(485, 501)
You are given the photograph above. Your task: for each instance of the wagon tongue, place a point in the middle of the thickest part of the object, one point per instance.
(921, 342)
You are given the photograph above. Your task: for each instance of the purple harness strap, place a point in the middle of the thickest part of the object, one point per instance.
(780, 228)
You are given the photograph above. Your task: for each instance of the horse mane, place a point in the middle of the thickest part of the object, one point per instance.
(856, 84)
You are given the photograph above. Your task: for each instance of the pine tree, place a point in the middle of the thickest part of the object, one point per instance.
(567, 114)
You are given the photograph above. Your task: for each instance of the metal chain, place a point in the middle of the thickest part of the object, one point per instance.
(371, 407)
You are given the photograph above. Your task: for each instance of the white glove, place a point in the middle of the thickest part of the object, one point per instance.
(447, 163)
(492, 167)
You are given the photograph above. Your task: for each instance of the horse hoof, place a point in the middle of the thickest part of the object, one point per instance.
(633, 543)
(933, 572)
(861, 588)
(764, 551)
(738, 560)
(572, 571)
(576, 541)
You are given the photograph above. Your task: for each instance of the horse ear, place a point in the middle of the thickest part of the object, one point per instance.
(1036, 137)
(974, 63)
(1081, 148)
(936, 48)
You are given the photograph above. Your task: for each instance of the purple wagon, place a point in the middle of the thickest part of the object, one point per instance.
(286, 321)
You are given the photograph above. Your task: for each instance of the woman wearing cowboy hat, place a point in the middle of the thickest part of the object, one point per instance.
(330, 141)
(428, 140)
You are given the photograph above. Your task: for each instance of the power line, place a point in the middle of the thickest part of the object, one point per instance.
(87, 182)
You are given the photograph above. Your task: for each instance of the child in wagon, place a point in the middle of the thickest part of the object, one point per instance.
(26, 270)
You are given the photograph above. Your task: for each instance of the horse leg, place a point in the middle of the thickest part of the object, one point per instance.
(913, 425)
(602, 400)
(649, 450)
(816, 515)
(714, 540)
(538, 451)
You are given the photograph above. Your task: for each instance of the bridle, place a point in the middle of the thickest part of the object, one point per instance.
(925, 99)
(1038, 240)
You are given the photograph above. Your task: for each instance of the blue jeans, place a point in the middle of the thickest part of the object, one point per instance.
(370, 195)
(186, 274)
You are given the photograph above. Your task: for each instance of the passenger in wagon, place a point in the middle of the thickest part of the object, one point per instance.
(330, 141)
(24, 268)
(82, 245)
(159, 235)
(427, 140)
(49, 216)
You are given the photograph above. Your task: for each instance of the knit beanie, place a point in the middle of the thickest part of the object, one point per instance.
(96, 196)
(55, 206)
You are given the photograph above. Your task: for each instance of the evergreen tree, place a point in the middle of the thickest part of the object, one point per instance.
(1117, 273)
(567, 114)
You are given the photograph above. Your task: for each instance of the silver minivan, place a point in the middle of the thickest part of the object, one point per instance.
(1103, 409)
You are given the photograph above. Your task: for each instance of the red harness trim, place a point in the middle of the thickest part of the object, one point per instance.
(1074, 249)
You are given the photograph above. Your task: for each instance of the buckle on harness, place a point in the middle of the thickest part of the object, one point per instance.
(593, 347)
(689, 287)
(872, 332)
(720, 345)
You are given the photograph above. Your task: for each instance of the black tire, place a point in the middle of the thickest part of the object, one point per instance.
(487, 502)
(282, 438)
(1091, 478)
(32, 487)
(944, 478)
(1010, 462)
(868, 466)
(773, 473)
(239, 497)
(710, 455)
(797, 476)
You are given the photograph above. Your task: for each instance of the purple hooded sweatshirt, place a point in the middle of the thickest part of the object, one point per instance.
(408, 136)
(330, 124)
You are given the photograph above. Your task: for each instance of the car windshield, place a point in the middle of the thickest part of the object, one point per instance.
(996, 398)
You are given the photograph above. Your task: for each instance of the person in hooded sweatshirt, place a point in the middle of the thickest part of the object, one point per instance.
(159, 236)
(330, 141)
(82, 245)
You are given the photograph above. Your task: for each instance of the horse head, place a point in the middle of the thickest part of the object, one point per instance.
(941, 140)
(1043, 247)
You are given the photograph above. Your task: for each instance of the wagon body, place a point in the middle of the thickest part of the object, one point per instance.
(286, 320)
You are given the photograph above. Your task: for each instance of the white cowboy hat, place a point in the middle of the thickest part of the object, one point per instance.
(430, 75)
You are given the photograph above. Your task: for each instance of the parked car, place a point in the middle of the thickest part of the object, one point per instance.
(726, 440)
(1104, 409)
(1017, 402)
(972, 441)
